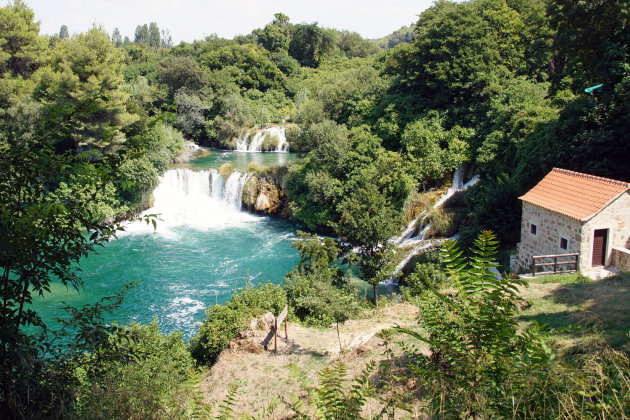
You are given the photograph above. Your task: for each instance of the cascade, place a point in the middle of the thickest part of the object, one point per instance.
(457, 185)
(197, 199)
(248, 143)
(407, 239)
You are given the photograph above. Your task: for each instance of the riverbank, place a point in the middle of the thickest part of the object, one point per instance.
(582, 318)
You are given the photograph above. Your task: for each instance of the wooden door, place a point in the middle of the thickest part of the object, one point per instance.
(600, 240)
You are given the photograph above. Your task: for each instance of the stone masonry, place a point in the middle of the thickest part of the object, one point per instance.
(552, 226)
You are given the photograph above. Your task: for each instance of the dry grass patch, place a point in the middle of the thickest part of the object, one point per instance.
(264, 378)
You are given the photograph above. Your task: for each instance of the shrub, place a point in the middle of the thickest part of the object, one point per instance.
(426, 275)
(223, 322)
(140, 374)
(226, 170)
(480, 363)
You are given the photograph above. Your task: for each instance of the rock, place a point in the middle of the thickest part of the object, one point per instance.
(268, 320)
(262, 203)
(250, 192)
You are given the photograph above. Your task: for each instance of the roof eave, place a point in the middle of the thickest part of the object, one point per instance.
(608, 203)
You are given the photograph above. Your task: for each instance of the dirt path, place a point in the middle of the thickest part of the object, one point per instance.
(262, 377)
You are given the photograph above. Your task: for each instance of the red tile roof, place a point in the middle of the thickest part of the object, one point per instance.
(574, 194)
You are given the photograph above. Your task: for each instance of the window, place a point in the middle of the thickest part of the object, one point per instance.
(532, 229)
(564, 243)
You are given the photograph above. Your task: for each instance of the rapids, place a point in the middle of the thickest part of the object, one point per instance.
(203, 249)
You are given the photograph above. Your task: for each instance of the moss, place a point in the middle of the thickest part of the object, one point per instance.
(270, 143)
(443, 223)
(250, 192)
(226, 170)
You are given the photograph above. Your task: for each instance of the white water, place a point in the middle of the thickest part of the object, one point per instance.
(198, 199)
(407, 238)
(248, 143)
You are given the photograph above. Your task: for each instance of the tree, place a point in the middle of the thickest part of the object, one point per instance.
(166, 39)
(154, 35)
(310, 44)
(367, 222)
(46, 226)
(142, 34)
(63, 32)
(315, 288)
(87, 66)
(432, 150)
(277, 35)
(117, 38)
(21, 47)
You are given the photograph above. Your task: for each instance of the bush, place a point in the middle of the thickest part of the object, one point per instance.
(480, 362)
(140, 374)
(223, 322)
(426, 275)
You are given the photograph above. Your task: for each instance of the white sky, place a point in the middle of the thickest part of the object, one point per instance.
(188, 20)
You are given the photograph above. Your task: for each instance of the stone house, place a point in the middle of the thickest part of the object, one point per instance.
(570, 212)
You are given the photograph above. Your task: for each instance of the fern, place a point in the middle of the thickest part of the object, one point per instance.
(226, 408)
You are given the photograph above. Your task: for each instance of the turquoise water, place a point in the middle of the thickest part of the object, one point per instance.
(240, 160)
(204, 248)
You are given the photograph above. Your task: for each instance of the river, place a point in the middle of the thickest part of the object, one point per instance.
(204, 248)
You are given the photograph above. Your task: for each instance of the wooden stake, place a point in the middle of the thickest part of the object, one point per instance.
(275, 337)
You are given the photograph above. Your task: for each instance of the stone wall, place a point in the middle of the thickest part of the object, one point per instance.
(616, 218)
(621, 258)
(550, 227)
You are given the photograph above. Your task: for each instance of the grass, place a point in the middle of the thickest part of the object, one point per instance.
(571, 278)
(580, 313)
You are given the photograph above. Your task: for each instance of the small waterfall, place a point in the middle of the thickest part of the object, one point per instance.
(457, 185)
(197, 199)
(233, 189)
(407, 239)
(252, 141)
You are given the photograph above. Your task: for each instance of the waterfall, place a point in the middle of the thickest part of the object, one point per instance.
(252, 141)
(407, 239)
(197, 199)
(457, 185)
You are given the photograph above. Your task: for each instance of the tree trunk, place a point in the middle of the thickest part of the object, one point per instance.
(338, 337)
(375, 295)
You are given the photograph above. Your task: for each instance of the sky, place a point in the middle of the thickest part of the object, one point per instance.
(188, 20)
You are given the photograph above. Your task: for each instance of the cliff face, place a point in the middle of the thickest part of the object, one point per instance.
(263, 194)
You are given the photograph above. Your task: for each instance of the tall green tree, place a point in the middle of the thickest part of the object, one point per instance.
(367, 222)
(142, 34)
(63, 32)
(154, 35)
(310, 44)
(21, 47)
(276, 36)
(117, 38)
(87, 66)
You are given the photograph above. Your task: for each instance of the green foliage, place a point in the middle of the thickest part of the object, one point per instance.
(475, 340)
(335, 398)
(165, 143)
(21, 47)
(432, 150)
(87, 67)
(310, 44)
(426, 275)
(47, 223)
(223, 322)
(367, 221)
(138, 373)
(315, 288)
(403, 35)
